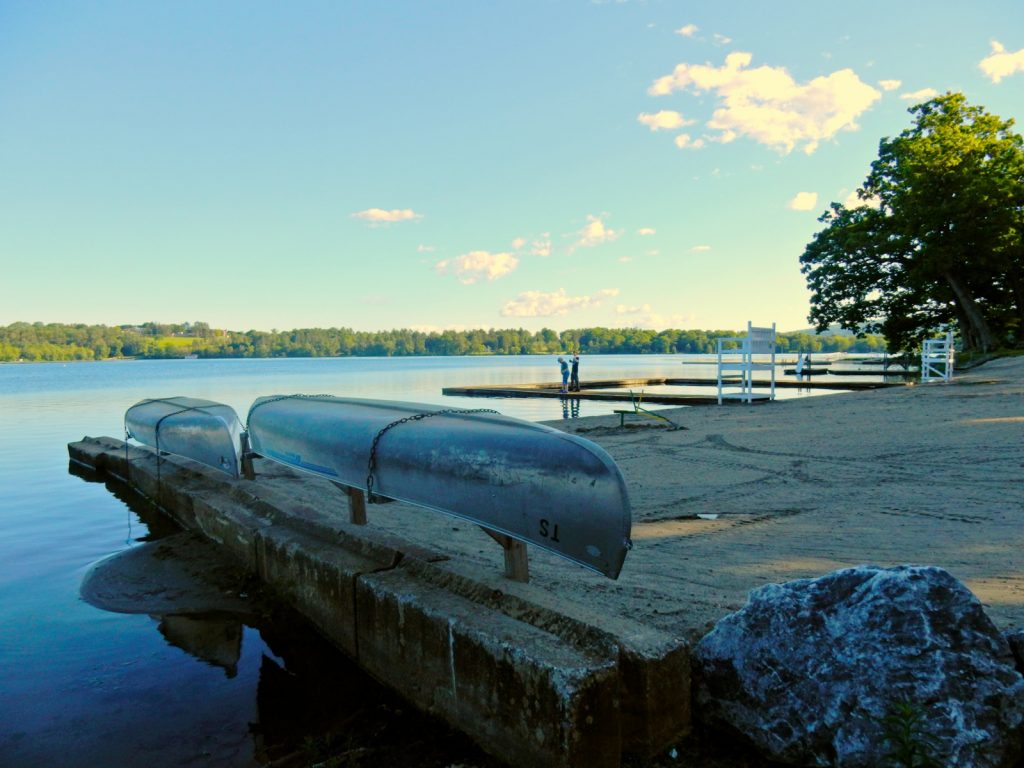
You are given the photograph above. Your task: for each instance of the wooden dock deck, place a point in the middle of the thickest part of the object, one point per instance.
(598, 390)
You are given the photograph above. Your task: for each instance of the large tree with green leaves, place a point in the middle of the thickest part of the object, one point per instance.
(939, 239)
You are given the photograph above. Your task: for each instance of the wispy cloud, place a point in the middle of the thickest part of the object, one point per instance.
(541, 304)
(665, 120)
(922, 95)
(644, 316)
(476, 265)
(421, 248)
(889, 85)
(721, 39)
(644, 231)
(541, 246)
(381, 216)
(538, 246)
(686, 141)
(1000, 64)
(688, 30)
(595, 233)
(767, 105)
(853, 200)
(803, 201)
(700, 249)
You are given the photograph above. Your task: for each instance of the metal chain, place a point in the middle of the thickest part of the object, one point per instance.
(371, 464)
(254, 406)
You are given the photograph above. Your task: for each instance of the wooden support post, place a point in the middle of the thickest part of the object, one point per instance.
(356, 503)
(517, 565)
(356, 506)
(248, 472)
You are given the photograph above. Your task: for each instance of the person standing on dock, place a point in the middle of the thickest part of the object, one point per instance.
(565, 374)
(574, 379)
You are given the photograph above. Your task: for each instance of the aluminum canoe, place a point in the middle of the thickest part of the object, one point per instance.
(202, 430)
(531, 482)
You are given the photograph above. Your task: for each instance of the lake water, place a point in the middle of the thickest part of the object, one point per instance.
(85, 687)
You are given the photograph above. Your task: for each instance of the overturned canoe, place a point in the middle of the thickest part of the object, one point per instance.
(201, 430)
(528, 481)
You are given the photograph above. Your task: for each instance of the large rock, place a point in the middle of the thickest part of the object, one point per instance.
(808, 670)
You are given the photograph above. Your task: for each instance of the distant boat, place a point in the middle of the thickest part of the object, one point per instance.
(528, 481)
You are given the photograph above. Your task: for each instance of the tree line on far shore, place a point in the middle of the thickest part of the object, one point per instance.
(49, 342)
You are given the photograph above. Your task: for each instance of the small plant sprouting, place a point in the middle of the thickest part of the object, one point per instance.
(911, 745)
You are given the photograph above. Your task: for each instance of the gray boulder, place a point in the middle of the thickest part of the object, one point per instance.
(809, 671)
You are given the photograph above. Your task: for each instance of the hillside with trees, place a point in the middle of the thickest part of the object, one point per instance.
(39, 342)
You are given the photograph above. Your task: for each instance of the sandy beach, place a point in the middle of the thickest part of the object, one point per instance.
(925, 474)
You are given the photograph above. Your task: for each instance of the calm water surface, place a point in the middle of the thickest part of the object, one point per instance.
(82, 686)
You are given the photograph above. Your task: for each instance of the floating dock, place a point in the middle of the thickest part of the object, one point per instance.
(603, 390)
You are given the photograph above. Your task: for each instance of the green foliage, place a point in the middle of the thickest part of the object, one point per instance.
(56, 342)
(910, 745)
(940, 240)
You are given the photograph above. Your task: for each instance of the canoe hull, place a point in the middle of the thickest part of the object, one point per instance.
(531, 482)
(201, 430)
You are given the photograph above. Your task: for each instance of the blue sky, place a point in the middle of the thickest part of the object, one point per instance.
(261, 165)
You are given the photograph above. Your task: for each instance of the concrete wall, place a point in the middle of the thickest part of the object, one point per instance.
(531, 683)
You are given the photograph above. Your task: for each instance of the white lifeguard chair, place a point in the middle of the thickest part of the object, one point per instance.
(736, 364)
(937, 357)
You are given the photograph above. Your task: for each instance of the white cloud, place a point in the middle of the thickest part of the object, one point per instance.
(518, 243)
(700, 248)
(381, 216)
(854, 201)
(540, 304)
(622, 309)
(1000, 64)
(625, 259)
(767, 105)
(541, 246)
(665, 120)
(643, 316)
(889, 85)
(922, 95)
(686, 141)
(644, 231)
(722, 39)
(803, 201)
(595, 233)
(687, 31)
(471, 267)
(421, 248)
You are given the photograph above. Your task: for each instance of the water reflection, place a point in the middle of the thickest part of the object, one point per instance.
(216, 641)
(570, 407)
(309, 702)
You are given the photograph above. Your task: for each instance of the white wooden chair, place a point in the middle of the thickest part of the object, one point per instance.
(736, 364)
(937, 359)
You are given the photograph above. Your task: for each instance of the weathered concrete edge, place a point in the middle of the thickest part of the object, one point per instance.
(622, 696)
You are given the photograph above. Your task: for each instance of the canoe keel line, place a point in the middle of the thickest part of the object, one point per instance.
(523, 483)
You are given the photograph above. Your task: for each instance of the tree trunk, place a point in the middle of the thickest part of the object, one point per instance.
(979, 333)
